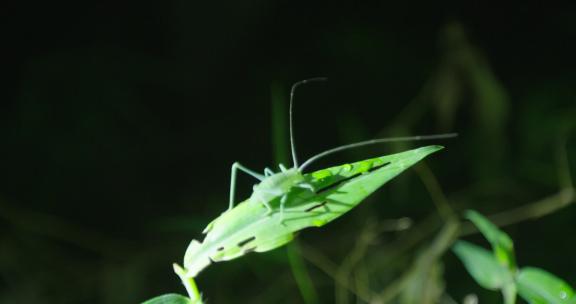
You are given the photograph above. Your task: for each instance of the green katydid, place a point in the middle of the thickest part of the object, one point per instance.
(290, 200)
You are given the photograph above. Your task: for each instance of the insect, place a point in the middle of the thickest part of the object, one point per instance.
(284, 202)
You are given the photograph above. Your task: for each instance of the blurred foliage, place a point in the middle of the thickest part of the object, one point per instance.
(123, 121)
(496, 270)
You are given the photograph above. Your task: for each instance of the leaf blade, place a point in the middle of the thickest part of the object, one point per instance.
(482, 266)
(502, 244)
(170, 298)
(249, 227)
(539, 286)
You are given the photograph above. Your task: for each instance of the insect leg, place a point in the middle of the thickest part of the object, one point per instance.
(262, 200)
(306, 186)
(235, 167)
(267, 205)
(282, 203)
(268, 172)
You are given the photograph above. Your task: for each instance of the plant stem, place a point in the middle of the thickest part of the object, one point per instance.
(301, 274)
(189, 284)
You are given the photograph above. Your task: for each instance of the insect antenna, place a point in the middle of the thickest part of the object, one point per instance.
(372, 142)
(294, 86)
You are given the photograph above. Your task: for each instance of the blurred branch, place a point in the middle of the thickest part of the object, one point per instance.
(411, 238)
(341, 274)
(331, 269)
(534, 210)
(50, 226)
(276, 290)
(344, 272)
(447, 299)
(433, 186)
(424, 262)
(548, 205)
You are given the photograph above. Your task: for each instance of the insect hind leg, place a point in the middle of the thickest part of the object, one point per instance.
(307, 186)
(263, 201)
(235, 167)
(283, 201)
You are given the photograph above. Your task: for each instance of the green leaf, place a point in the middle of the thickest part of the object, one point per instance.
(482, 266)
(502, 244)
(170, 298)
(249, 227)
(538, 286)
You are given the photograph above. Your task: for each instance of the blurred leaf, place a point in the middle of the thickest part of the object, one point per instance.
(426, 286)
(465, 75)
(502, 244)
(170, 298)
(301, 274)
(482, 266)
(538, 286)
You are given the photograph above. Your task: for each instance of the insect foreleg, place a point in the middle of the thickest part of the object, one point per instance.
(235, 167)
(282, 204)
(306, 186)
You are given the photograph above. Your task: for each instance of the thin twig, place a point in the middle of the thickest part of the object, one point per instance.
(531, 211)
(331, 269)
(53, 227)
(424, 260)
(435, 190)
(366, 236)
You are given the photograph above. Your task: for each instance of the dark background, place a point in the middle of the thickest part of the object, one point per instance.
(120, 122)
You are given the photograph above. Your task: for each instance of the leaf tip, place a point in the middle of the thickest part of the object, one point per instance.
(428, 149)
(435, 148)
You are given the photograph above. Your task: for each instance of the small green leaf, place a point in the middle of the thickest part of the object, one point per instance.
(502, 244)
(538, 286)
(482, 266)
(170, 298)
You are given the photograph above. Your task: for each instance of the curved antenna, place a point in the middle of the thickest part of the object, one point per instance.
(294, 86)
(372, 142)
